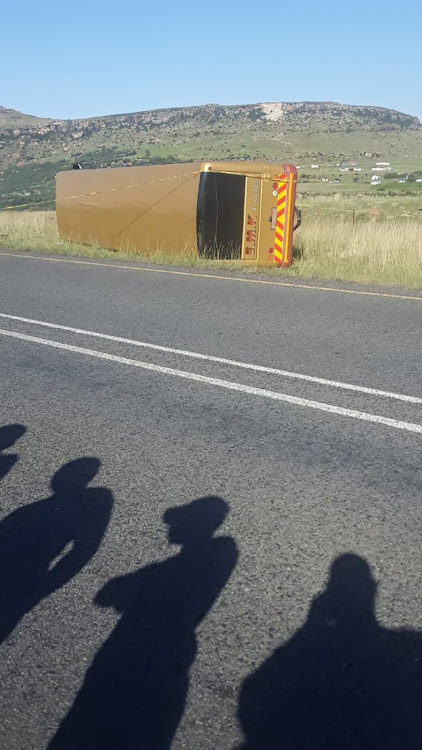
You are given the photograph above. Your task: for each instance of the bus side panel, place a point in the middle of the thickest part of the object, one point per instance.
(134, 208)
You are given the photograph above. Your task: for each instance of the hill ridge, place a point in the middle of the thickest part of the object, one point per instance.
(33, 149)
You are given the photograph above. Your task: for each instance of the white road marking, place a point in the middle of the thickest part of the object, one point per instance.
(220, 360)
(364, 416)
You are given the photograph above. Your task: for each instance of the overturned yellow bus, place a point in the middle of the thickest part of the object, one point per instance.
(230, 210)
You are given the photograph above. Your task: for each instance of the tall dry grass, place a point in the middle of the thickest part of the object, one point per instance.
(37, 230)
(29, 230)
(386, 252)
(327, 246)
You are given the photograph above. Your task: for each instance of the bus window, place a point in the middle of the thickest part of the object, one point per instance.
(221, 200)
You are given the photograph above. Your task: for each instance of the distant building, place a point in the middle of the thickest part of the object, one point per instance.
(357, 169)
(382, 163)
(314, 166)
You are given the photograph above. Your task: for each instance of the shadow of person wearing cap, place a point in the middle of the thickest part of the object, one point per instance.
(47, 542)
(9, 434)
(134, 692)
(343, 682)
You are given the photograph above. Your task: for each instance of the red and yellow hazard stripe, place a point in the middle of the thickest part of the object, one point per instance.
(280, 220)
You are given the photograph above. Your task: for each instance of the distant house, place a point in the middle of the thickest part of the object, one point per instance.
(382, 163)
(314, 166)
(402, 179)
(419, 179)
(357, 169)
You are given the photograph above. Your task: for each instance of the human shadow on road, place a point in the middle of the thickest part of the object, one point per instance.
(343, 682)
(9, 434)
(44, 544)
(134, 692)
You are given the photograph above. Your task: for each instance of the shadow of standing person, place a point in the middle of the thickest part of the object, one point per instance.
(44, 544)
(342, 682)
(135, 690)
(9, 434)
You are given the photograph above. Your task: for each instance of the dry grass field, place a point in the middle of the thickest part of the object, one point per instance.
(379, 244)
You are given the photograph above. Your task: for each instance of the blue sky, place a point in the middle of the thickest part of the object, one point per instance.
(80, 59)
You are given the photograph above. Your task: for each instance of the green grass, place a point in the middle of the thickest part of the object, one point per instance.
(34, 180)
(374, 206)
(398, 187)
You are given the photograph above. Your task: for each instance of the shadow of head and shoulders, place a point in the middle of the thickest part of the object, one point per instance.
(43, 544)
(343, 680)
(185, 584)
(74, 511)
(135, 690)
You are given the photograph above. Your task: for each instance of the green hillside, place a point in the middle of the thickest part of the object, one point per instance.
(322, 134)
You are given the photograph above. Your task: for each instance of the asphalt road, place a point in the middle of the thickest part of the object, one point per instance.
(126, 625)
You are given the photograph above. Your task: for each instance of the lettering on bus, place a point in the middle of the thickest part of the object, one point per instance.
(250, 239)
(250, 236)
(255, 195)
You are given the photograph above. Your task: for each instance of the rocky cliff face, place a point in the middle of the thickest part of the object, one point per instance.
(22, 136)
